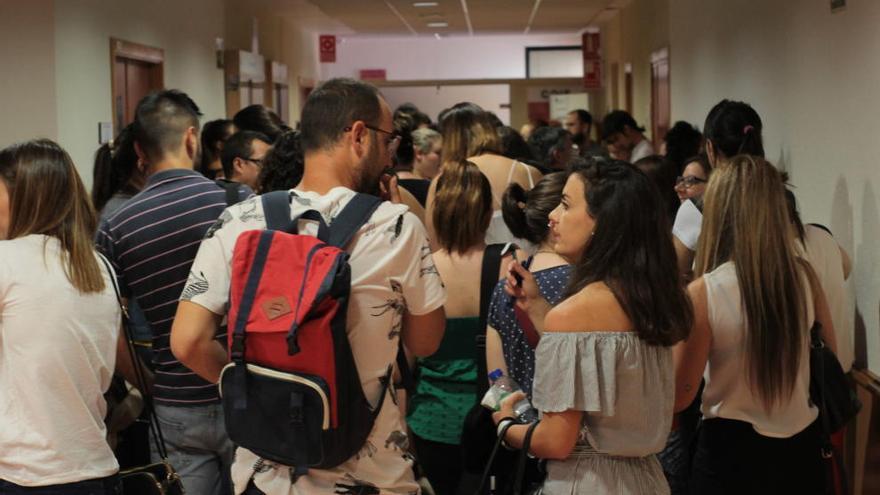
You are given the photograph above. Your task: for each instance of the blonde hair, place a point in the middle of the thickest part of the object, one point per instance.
(468, 132)
(462, 207)
(47, 197)
(746, 221)
(424, 139)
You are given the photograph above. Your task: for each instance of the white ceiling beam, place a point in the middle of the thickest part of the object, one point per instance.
(467, 17)
(402, 19)
(532, 16)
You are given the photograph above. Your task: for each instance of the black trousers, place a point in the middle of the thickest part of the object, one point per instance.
(441, 463)
(732, 458)
(100, 486)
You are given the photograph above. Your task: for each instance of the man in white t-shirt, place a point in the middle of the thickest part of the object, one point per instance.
(626, 140)
(396, 292)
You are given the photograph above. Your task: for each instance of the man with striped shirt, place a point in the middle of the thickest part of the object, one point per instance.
(152, 241)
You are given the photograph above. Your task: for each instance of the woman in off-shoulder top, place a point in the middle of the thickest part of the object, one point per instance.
(604, 378)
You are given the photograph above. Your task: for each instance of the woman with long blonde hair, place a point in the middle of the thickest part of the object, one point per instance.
(754, 304)
(59, 329)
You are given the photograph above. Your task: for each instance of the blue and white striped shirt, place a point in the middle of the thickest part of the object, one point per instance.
(152, 241)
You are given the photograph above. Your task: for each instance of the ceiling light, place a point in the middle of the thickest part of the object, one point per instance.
(442, 24)
(425, 4)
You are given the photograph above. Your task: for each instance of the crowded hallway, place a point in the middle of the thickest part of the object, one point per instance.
(286, 247)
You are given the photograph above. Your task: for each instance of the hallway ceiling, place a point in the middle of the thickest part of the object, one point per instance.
(469, 16)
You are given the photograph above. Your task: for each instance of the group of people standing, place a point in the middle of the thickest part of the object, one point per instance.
(637, 295)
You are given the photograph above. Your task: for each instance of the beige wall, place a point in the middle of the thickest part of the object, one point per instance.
(639, 29)
(813, 77)
(288, 33)
(27, 83)
(83, 28)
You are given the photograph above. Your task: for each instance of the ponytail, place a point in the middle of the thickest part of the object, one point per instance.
(103, 185)
(526, 213)
(115, 164)
(734, 128)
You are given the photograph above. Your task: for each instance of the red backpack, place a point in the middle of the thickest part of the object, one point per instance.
(292, 393)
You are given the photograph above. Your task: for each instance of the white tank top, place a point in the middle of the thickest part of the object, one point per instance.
(727, 393)
(498, 233)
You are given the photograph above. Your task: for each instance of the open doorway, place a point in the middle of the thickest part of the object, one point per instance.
(137, 70)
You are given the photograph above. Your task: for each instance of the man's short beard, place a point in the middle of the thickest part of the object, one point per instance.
(367, 181)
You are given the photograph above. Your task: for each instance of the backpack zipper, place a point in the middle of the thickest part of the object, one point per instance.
(288, 377)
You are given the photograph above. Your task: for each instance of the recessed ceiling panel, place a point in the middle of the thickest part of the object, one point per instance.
(486, 16)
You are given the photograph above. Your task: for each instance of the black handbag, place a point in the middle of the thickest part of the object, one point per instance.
(158, 478)
(837, 403)
(829, 388)
(478, 431)
(521, 483)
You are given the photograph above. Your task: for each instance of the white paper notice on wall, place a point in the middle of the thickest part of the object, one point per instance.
(105, 132)
(561, 105)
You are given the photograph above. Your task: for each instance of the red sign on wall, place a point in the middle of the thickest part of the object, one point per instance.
(373, 74)
(591, 45)
(592, 61)
(327, 45)
(593, 73)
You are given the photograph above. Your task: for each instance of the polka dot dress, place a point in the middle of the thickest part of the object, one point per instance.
(520, 358)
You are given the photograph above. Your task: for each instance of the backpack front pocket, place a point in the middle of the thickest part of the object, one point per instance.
(278, 415)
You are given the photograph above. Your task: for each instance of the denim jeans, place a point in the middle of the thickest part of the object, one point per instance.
(198, 447)
(101, 486)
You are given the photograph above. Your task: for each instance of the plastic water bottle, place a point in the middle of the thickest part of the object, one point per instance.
(502, 386)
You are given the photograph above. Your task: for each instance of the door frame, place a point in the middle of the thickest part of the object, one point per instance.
(660, 57)
(132, 51)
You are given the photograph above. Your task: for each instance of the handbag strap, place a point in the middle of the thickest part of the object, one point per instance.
(153, 421)
(523, 458)
(488, 279)
(498, 441)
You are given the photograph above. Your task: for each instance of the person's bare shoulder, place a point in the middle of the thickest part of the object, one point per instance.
(593, 309)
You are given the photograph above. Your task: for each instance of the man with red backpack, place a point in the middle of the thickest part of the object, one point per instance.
(288, 393)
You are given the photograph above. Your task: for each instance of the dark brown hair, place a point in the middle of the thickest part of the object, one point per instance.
(526, 213)
(631, 251)
(46, 196)
(462, 207)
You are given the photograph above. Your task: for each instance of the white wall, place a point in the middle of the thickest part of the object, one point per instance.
(813, 78)
(27, 84)
(83, 28)
(433, 99)
(427, 58)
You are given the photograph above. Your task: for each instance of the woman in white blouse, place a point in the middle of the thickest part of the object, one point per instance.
(754, 305)
(59, 329)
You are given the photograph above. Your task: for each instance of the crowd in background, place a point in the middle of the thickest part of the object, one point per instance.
(652, 300)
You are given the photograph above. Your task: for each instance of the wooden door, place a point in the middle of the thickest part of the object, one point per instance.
(660, 99)
(137, 70)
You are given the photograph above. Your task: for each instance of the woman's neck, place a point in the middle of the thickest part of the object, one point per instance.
(471, 251)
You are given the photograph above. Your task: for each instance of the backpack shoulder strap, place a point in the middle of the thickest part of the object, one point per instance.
(276, 207)
(356, 213)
